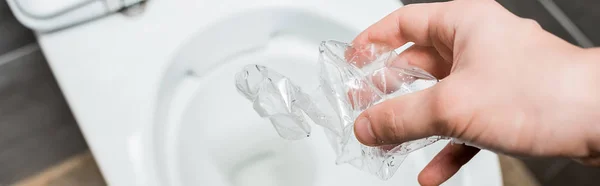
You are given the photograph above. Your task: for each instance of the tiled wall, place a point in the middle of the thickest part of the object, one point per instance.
(37, 128)
(534, 10)
(585, 14)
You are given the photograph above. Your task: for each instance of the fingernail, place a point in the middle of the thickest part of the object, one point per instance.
(364, 131)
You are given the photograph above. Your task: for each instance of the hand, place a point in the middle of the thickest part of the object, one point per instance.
(507, 85)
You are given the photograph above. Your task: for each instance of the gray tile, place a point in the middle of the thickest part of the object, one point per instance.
(561, 171)
(585, 14)
(38, 152)
(545, 169)
(37, 128)
(531, 9)
(575, 174)
(12, 34)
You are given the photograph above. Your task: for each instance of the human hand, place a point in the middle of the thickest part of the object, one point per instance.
(507, 86)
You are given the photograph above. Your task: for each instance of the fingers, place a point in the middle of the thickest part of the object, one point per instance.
(361, 55)
(389, 80)
(446, 163)
(362, 97)
(404, 118)
(426, 58)
(435, 25)
(432, 27)
(411, 23)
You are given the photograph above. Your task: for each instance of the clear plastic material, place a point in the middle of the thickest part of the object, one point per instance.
(351, 80)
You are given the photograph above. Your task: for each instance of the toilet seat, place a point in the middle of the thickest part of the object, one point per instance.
(137, 84)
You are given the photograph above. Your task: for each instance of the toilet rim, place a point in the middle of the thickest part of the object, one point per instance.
(180, 81)
(97, 81)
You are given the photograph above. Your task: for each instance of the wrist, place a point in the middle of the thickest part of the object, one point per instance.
(591, 59)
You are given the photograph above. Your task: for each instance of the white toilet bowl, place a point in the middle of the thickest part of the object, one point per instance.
(156, 100)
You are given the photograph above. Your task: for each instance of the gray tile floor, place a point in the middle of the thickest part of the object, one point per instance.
(576, 174)
(79, 170)
(559, 171)
(37, 128)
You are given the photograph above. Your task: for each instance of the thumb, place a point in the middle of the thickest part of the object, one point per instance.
(404, 118)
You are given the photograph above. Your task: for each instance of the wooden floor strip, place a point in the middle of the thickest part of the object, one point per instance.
(76, 171)
(82, 170)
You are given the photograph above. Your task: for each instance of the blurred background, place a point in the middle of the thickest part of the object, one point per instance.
(41, 144)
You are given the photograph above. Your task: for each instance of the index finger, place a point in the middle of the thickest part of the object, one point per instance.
(418, 23)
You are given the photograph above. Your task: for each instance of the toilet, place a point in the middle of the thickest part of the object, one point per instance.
(152, 88)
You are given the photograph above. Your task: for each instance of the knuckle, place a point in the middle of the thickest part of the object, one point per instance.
(441, 101)
(481, 10)
(444, 106)
(384, 124)
(530, 23)
(390, 126)
(473, 4)
(527, 27)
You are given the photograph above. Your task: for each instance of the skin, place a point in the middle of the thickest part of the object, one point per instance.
(507, 86)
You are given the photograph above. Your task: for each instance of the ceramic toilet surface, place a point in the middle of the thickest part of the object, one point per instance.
(155, 98)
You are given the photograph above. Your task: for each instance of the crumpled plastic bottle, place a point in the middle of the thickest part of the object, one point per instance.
(351, 80)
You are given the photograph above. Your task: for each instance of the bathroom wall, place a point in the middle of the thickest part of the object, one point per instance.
(37, 128)
(583, 14)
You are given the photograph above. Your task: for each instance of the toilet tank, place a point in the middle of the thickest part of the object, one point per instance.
(48, 16)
